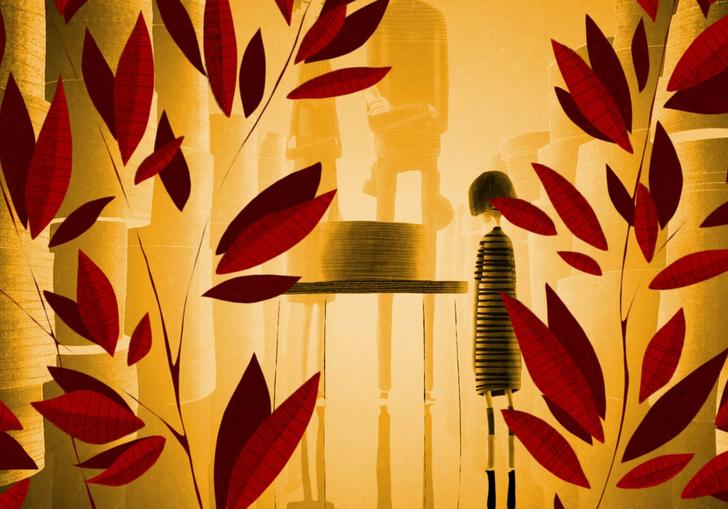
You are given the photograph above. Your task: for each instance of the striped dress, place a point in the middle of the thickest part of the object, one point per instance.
(496, 356)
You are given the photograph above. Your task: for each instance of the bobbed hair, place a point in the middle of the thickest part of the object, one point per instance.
(489, 185)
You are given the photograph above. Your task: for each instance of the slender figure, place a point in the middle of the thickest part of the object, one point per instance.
(496, 356)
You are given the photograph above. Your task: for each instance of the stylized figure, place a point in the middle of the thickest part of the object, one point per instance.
(496, 357)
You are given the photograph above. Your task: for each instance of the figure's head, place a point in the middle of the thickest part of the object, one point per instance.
(489, 185)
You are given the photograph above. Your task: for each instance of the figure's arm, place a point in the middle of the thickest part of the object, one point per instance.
(476, 295)
(382, 115)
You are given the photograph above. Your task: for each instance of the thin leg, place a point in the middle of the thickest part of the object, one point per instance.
(511, 501)
(491, 450)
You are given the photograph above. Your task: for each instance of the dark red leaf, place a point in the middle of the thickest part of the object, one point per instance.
(271, 445)
(662, 355)
(72, 7)
(67, 310)
(8, 421)
(249, 289)
(552, 368)
(572, 207)
(140, 342)
(606, 66)
(97, 304)
(655, 471)
(576, 343)
(286, 8)
(557, 502)
(176, 176)
(576, 116)
(666, 179)
(525, 215)
(705, 6)
(13, 456)
(16, 145)
(61, 6)
(547, 446)
(721, 418)
(248, 407)
(99, 80)
(719, 217)
(49, 171)
(180, 28)
(691, 269)
(358, 27)
(221, 52)
(132, 461)
(252, 74)
(80, 220)
(581, 262)
(291, 190)
(645, 222)
(133, 89)
(332, 4)
(89, 416)
(567, 422)
(711, 479)
(71, 380)
(339, 82)
(675, 409)
(158, 160)
(708, 97)
(322, 32)
(650, 7)
(706, 57)
(274, 234)
(13, 497)
(621, 199)
(591, 96)
(641, 55)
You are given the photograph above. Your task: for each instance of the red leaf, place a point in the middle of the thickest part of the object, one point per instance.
(621, 199)
(721, 419)
(606, 66)
(16, 145)
(176, 175)
(286, 8)
(99, 80)
(666, 179)
(97, 304)
(719, 217)
(711, 479)
(89, 416)
(567, 421)
(650, 7)
(641, 55)
(576, 116)
(13, 456)
(552, 368)
(571, 206)
(67, 310)
(675, 409)
(49, 172)
(581, 262)
(72, 7)
(8, 421)
(662, 355)
(645, 222)
(221, 52)
(525, 215)
(248, 407)
(180, 28)
(158, 160)
(591, 96)
(61, 6)
(576, 343)
(547, 446)
(13, 497)
(271, 445)
(357, 28)
(691, 269)
(332, 4)
(708, 97)
(322, 32)
(252, 74)
(291, 190)
(706, 57)
(80, 220)
(71, 380)
(132, 461)
(249, 289)
(140, 342)
(705, 6)
(133, 89)
(339, 82)
(655, 471)
(557, 502)
(274, 234)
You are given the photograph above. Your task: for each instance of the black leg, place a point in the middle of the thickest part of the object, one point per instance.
(491, 489)
(511, 502)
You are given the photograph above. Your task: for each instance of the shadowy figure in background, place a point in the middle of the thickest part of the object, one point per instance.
(496, 356)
